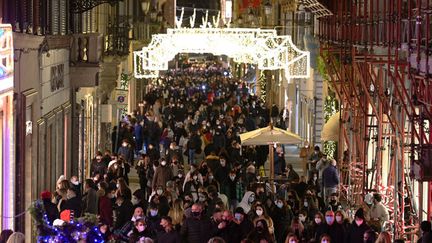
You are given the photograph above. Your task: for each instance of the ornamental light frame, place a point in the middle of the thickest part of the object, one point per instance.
(263, 47)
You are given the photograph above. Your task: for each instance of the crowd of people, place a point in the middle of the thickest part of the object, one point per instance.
(197, 184)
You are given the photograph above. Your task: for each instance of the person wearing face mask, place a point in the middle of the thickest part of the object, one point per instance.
(310, 206)
(189, 175)
(232, 190)
(126, 151)
(162, 175)
(281, 215)
(191, 186)
(197, 228)
(261, 232)
(315, 229)
(123, 211)
(243, 221)
(128, 226)
(335, 230)
(169, 235)
(247, 201)
(153, 220)
(297, 228)
(174, 150)
(334, 203)
(260, 213)
(141, 232)
(357, 228)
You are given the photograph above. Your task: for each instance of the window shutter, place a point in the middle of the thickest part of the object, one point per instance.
(54, 19)
(63, 17)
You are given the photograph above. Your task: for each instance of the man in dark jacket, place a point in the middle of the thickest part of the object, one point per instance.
(50, 208)
(98, 166)
(169, 235)
(162, 174)
(330, 180)
(124, 211)
(227, 229)
(89, 198)
(73, 203)
(196, 229)
(126, 151)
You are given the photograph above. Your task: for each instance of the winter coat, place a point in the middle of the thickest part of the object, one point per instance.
(127, 153)
(51, 210)
(169, 237)
(124, 213)
(90, 202)
(245, 202)
(355, 233)
(330, 177)
(98, 168)
(196, 230)
(105, 210)
(161, 176)
(75, 205)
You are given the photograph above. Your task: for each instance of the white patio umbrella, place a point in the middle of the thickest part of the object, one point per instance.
(269, 136)
(330, 131)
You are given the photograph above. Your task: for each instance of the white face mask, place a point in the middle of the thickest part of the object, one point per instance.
(118, 185)
(163, 163)
(232, 177)
(195, 177)
(306, 204)
(279, 204)
(124, 144)
(159, 192)
(259, 212)
(317, 220)
(338, 219)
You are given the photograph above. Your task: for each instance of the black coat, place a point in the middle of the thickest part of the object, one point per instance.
(169, 237)
(336, 232)
(355, 233)
(196, 230)
(75, 205)
(124, 213)
(245, 227)
(51, 210)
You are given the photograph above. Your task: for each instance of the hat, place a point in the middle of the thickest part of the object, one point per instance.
(45, 195)
(360, 213)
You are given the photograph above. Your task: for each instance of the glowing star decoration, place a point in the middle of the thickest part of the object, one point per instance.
(245, 45)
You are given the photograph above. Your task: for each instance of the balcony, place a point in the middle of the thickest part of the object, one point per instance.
(117, 37)
(86, 57)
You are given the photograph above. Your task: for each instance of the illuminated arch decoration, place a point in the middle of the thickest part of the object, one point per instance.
(256, 46)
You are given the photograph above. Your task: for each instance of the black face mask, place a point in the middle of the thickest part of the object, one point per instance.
(196, 214)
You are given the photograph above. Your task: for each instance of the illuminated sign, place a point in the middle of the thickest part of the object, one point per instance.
(6, 57)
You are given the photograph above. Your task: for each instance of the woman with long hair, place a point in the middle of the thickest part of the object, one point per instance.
(259, 213)
(177, 213)
(384, 237)
(123, 189)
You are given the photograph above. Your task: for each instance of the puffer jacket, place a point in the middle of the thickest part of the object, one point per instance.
(196, 230)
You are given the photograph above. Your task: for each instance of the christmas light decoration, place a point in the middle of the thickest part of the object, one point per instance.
(82, 229)
(263, 47)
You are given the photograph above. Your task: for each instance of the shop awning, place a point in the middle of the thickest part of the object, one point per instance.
(269, 135)
(330, 130)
